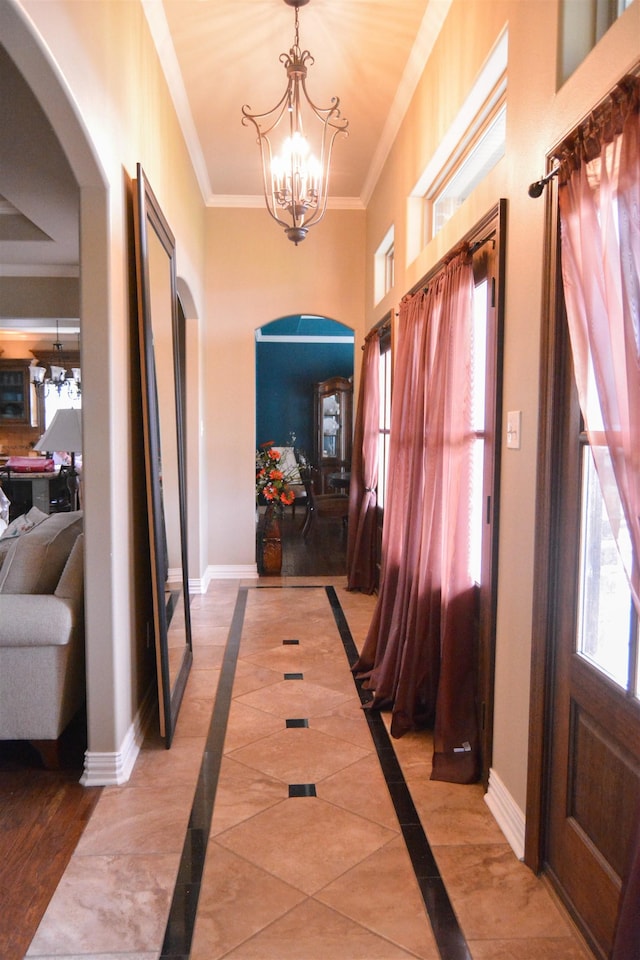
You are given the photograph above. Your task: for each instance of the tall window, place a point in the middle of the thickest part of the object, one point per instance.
(599, 218)
(607, 629)
(478, 387)
(55, 401)
(384, 425)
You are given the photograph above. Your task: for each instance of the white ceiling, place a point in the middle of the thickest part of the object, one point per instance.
(219, 55)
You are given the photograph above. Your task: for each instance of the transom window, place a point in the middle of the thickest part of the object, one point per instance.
(384, 266)
(471, 147)
(480, 158)
(582, 26)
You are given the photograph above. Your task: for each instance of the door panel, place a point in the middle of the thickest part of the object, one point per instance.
(593, 722)
(595, 788)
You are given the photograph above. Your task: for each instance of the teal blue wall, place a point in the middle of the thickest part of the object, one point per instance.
(287, 371)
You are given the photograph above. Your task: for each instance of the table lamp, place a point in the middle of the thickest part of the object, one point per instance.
(64, 433)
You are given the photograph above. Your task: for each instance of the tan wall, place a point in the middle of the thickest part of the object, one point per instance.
(119, 113)
(256, 275)
(537, 117)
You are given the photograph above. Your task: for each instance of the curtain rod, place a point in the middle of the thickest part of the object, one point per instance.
(628, 79)
(536, 188)
(480, 243)
(380, 327)
(470, 246)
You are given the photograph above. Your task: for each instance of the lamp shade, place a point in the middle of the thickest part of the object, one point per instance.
(64, 433)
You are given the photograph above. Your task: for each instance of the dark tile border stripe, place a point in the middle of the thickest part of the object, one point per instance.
(446, 929)
(182, 915)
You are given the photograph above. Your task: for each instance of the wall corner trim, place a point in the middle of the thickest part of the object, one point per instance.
(111, 769)
(507, 813)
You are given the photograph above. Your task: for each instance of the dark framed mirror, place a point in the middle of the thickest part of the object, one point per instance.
(162, 373)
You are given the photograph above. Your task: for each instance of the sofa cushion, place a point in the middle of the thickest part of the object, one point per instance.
(71, 583)
(36, 560)
(23, 523)
(16, 528)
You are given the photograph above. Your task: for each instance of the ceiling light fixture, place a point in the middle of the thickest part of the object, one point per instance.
(296, 181)
(58, 378)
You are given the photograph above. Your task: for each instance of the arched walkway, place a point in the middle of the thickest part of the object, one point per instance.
(44, 78)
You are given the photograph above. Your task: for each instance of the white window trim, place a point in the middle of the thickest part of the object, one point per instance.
(487, 89)
(382, 282)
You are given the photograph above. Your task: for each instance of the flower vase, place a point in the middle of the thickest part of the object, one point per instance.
(270, 544)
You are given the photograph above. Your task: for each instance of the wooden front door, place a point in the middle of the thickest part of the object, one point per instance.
(584, 787)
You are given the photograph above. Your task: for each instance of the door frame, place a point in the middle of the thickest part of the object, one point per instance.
(554, 355)
(553, 847)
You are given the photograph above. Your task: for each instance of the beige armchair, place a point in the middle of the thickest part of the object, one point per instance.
(42, 675)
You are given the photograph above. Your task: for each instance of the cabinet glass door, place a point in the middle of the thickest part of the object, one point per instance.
(13, 397)
(330, 426)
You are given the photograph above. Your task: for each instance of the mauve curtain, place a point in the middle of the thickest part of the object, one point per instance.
(361, 542)
(419, 657)
(599, 199)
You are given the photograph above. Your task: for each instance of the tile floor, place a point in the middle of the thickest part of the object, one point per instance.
(277, 838)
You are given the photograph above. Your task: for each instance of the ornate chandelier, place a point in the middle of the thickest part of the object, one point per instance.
(58, 379)
(295, 182)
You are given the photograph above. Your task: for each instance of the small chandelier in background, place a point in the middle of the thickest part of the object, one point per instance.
(58, 379)
(296, 181)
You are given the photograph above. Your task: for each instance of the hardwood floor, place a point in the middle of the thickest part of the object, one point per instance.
(43, 812)
(42, 816)
(323, 553)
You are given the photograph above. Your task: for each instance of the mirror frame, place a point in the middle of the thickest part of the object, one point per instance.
(149, 217)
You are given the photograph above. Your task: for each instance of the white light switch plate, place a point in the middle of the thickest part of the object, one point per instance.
(514, 428)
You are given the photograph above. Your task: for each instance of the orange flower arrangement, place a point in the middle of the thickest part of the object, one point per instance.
(271, 482)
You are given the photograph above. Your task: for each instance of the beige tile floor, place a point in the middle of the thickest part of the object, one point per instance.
(303, 878)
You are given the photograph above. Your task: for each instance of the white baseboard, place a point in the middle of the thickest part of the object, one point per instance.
(507, 813)
(240, 571)
(200, 585)
(112, 769)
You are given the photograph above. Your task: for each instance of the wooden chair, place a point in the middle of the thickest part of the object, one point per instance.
(322, 506)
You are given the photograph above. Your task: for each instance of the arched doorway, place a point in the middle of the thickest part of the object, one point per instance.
(41, 76)
(294, 354)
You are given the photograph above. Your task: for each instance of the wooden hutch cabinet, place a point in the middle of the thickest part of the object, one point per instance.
(18, 403)
(333, 429)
